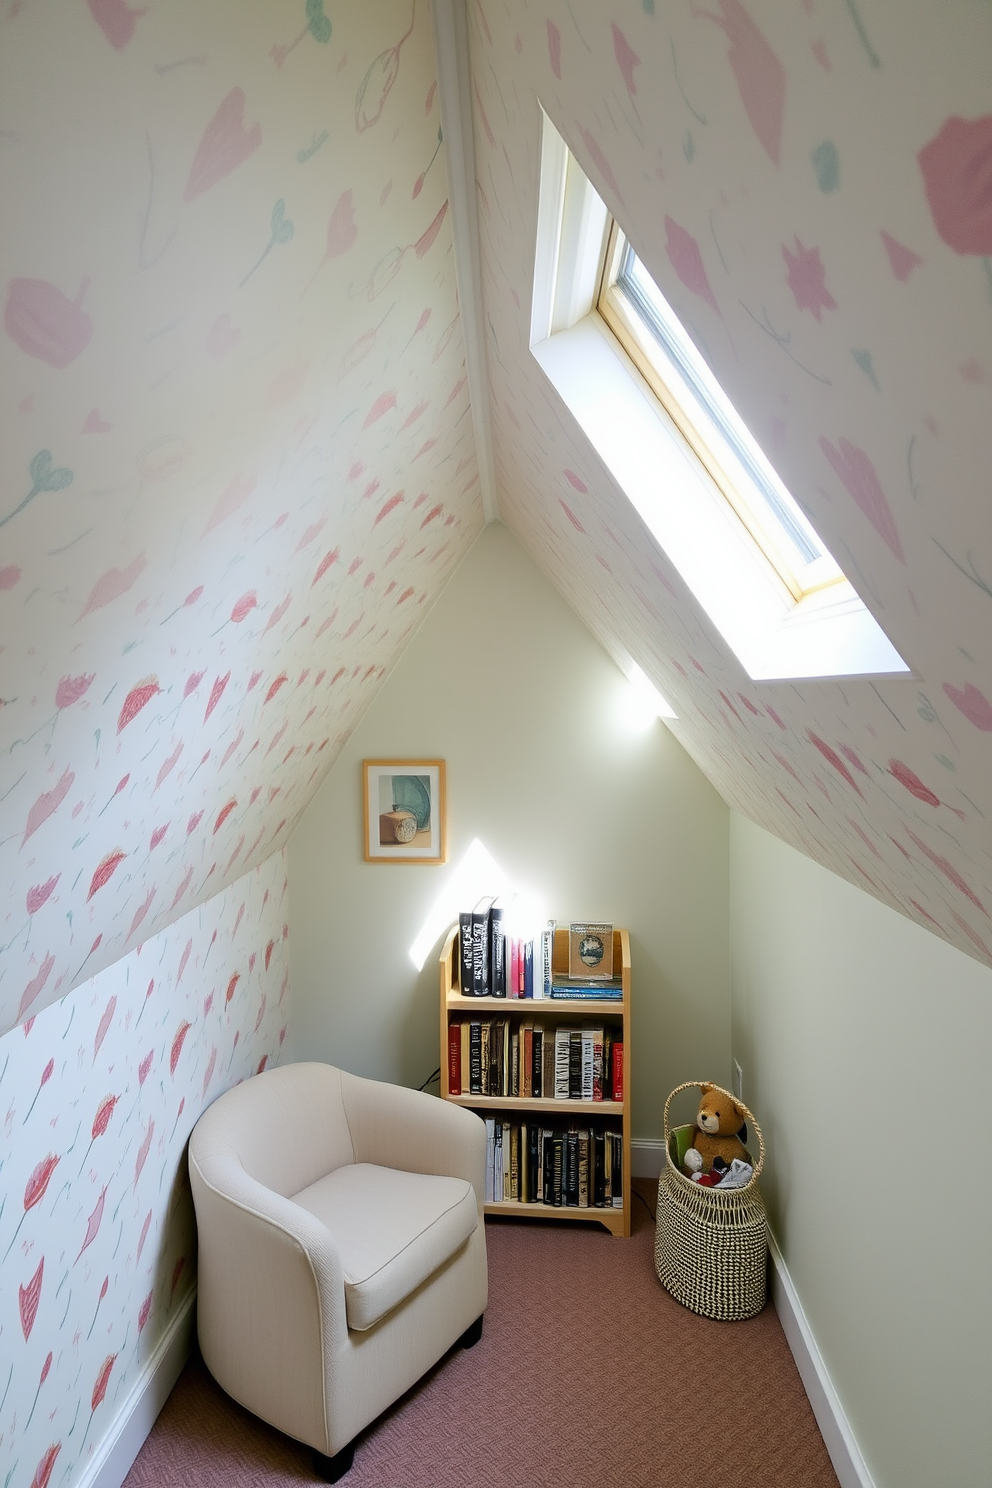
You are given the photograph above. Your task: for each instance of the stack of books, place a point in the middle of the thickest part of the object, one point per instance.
(532, 1060)
(563, 1166)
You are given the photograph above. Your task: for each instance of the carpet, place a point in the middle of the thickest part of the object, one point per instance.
(588, 1374)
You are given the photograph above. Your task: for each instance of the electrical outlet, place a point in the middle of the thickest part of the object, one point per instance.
(738, 1081)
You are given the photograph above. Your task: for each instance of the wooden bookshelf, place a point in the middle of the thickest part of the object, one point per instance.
(614, 1116)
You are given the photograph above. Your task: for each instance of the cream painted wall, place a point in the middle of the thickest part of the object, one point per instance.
(864, 1042)
(603, 822)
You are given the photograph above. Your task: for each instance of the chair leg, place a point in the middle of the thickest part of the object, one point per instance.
(331, 1469)
(472, 1335)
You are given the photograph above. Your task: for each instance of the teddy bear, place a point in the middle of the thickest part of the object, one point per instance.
(720, 1132)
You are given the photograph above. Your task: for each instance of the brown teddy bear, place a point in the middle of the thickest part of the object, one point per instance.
(721, 1131)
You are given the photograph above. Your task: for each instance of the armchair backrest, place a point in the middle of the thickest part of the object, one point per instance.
(286, 1127)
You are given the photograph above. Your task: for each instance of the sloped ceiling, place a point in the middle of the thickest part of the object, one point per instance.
(237, 448)
(811, 187)
(237, 456)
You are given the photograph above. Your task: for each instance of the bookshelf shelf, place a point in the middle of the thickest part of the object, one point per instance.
(610, 1117)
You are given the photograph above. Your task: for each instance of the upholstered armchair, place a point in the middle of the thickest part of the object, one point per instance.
(342, 1249)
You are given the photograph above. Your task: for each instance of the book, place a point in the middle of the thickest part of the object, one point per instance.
(611, 991)
(542, 984)
(480, 946)
(617, 1186)
(571, 1175)
(598, 1167)
(548, 1061)
(575, 1064)
(465, 1030)
(557, 1168)
(528, 968)
(485, 1055)
(465, 953)
(583, 1185)
(562, 1051)
(490, 1156)
(590, 952)
(533, 1162)
(513, 967)
(616, 1070)
(475, 1058)
(526, 1060)
(537, 1063)
(454, 1058)
(587, 1038)
(497, 950)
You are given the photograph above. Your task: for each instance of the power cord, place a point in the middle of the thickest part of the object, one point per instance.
(639, 1195)
(431, 1078)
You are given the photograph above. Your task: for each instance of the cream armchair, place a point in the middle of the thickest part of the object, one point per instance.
(342, 1248)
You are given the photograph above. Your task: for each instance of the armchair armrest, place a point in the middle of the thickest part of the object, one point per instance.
(271, 1306)
(418, 1133)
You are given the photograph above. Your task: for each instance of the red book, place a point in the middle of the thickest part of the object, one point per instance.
(454, 1058)
(513, 967)
(616, 1071)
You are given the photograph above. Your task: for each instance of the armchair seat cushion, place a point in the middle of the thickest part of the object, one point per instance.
(392, 1230)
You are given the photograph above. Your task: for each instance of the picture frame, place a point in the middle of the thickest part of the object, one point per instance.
(404, 810)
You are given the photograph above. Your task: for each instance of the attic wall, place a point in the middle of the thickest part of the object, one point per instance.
(98, 1095)
(588, 813)
(864, 1043)
(809, 186)
(235, 447)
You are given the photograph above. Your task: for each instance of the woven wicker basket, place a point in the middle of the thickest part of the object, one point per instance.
(711, 1246)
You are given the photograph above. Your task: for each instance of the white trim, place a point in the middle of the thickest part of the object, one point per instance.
(113, 1458)
(454, 92)
(838, 1438)
(647, 1157)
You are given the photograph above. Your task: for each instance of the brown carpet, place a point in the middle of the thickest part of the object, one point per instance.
(588, 1375)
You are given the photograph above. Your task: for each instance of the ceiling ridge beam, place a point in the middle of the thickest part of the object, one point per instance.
(454, 87)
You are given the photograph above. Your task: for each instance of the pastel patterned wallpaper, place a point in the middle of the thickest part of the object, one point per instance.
(811, 186)
(98, 1095)
(236, 454)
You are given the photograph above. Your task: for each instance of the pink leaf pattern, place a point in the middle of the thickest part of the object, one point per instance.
(94, 1222)
(39, 894)
(858, 474)
(957, 175)
(46, 804)
(28, 1298)
(225, 145)
(759, 75)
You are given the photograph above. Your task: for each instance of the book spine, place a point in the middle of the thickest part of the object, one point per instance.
(562, 1046)
(480, 951)
(528, 968)
(454, 1058)
(575, 1064)
(465, 973)
(588, 1046)
(497, 953)
(571, 1177)
(490, 1157)
(616, 1069)
(583, 1169)
(537, 1064)
(475, 1058)
(598, 1167)
(617, 1170)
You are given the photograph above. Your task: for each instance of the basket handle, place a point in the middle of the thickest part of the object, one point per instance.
(749, 1116)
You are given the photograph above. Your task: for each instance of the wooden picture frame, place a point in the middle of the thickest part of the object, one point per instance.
(404, 810)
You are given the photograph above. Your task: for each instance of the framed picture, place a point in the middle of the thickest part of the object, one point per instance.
(404, 811)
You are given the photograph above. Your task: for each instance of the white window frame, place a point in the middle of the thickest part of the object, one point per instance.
(776, 633)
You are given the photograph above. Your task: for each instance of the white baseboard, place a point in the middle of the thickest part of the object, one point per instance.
(845, 1454)
(647, 1157)
(111, 1462)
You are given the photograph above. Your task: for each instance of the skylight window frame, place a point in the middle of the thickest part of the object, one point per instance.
(708, 433)
(828, 633)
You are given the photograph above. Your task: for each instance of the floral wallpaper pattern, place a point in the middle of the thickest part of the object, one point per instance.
(810, 186)
(98, 1095)
(237, 457)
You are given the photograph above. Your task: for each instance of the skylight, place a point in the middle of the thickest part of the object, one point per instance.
(674, 445)
(652, 334)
